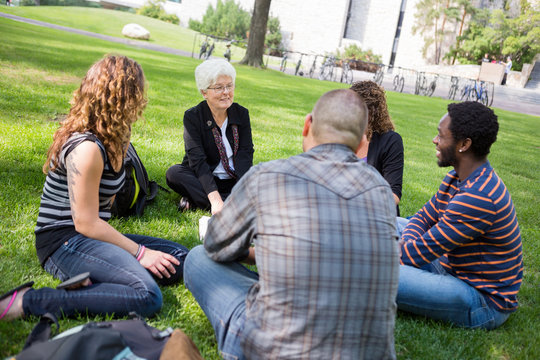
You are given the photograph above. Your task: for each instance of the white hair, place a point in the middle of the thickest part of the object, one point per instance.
(207, 73)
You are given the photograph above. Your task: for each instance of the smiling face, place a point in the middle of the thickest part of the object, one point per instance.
(220, 95)
(445, 144)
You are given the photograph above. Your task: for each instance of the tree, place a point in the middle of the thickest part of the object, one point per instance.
(431, 20)
(257, 33)
(499, 35)
(228, 20)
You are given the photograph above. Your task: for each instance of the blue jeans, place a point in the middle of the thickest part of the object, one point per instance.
(432, 292)
(120, 284)
(221, 290)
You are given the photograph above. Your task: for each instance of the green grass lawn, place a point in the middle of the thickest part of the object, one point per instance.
(39, 70)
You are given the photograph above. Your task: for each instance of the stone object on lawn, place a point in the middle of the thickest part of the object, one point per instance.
(136, 31)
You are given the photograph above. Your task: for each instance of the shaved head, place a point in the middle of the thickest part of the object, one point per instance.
(339, 116)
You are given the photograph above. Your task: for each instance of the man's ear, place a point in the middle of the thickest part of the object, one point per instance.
(307, 125)
(465, 145)
(362, 143)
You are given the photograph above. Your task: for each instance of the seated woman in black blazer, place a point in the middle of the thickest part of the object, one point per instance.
(217, 140)
(384, 149)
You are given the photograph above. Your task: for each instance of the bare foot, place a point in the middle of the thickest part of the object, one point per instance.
(14, 311)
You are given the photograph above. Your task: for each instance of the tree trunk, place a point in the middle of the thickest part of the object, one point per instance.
(257, 33)
(460, 31)
(441, 39)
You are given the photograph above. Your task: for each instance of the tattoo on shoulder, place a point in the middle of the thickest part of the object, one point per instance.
(72, 172)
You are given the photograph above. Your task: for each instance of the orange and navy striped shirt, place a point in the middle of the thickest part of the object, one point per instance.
(471, 226)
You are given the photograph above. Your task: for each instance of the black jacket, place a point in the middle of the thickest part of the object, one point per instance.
(202, 155)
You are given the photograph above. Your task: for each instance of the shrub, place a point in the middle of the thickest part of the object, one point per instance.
(154, 10)
(354, 52)
(273, 37)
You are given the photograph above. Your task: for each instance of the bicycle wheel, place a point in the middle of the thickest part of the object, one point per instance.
(323, 74)
(401, 83)
(484, 99)
(283, 65)
(378, 77)
(465, 93)
(490, 92)
(452, 92)
(431, 89)
(395, 82)
(348, 76)
(312, 71)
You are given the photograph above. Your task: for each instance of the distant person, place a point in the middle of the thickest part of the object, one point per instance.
(486, 58)
(217, 141)
(84, 171)
(323, 228)
(384, 147)
(507, 69)
(461, 254)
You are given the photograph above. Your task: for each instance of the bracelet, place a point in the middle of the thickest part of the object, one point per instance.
(139, 257)
(138, 251)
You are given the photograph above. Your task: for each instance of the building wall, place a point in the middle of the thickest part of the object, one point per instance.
(409, 52)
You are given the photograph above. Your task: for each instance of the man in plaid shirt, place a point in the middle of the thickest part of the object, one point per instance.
(321, 227)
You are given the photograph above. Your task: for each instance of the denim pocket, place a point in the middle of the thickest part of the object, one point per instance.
(54, 270)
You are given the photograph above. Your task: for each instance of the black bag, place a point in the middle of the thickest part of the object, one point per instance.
(121, 339)
(137, 190)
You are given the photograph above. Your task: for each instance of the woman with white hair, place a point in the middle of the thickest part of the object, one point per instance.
(217, 140)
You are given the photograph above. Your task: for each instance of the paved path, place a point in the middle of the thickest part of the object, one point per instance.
(523, 101)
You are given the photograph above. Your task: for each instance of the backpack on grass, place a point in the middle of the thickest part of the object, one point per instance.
(130, 339)
(137, 190)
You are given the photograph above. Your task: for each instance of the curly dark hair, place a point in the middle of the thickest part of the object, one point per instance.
(111, 98)
(475, 121)
(375, 99)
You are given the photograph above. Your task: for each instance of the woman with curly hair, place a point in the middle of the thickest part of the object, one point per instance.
(84, 171)
(384, 147)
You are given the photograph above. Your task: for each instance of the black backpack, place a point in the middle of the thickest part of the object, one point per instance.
(119, 340)
(137, 190)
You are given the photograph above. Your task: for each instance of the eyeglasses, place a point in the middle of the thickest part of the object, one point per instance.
(220, 88)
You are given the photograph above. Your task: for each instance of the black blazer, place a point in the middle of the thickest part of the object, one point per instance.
(202, 155)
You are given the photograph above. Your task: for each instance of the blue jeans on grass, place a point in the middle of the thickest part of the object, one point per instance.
(432, 292)
(221, 290)
(120, 284)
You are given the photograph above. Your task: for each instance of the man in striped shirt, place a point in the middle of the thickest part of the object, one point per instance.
(461, 254)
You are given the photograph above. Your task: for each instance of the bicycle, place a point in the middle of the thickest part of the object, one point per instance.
(379, 75)
(399, 81)
(346, 73)
(421, 83)
(422, 87)
(475, 92)
(313, 67)
(283, 64)
(327, 69)
(210, 50)
(431, 88)
(204, 46)
(454, 86)
(296, 70)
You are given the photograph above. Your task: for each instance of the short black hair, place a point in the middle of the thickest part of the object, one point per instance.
(475, 121)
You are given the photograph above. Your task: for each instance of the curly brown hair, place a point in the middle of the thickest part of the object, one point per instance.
(111, 98)
(379, 120)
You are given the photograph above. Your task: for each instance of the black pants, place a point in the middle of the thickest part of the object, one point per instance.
(183, 180)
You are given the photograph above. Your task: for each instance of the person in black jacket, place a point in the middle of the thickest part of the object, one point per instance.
(384, 149)
(217, 140)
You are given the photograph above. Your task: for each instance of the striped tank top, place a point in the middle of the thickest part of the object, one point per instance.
(55, 224)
